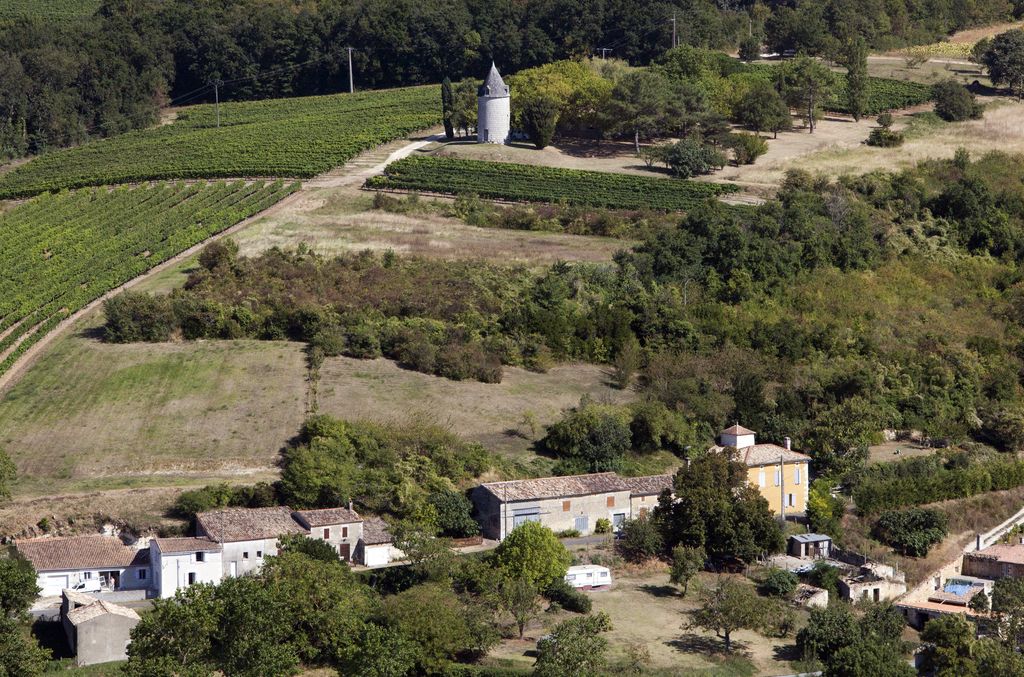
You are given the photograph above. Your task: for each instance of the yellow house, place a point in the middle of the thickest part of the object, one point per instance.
(779, 473)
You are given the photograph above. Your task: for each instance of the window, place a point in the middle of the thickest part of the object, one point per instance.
(760, 478)
(200, 556)
(571, 577)
(191, 578)
(142, 574)
(327, 533)
(611, 501)
(778, 477)
(566, 506)
(344, 532)
(525, 515)
(259, 554)
(245, 555)
(791, 500)
(798, 474)
(87, 575)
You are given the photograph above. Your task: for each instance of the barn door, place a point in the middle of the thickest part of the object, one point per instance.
(582, 524)
(345, 552)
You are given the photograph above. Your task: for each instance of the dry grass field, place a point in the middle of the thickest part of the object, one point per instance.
(646, 611)
(492, 414)
(91, 416)
(339, 219)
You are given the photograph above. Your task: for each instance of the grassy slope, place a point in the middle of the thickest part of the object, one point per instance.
(92, 416)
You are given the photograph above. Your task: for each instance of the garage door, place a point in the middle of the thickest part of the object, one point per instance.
(55, 584)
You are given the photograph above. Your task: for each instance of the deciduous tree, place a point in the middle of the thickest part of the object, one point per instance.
(531, 552)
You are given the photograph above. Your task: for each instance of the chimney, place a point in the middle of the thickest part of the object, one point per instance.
(788, 443)
(350, 505)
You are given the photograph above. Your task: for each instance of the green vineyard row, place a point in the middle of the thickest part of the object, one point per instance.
(59, 252)
(507, 181)
(298, 138)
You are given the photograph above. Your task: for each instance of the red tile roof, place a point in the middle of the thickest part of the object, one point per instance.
(178, 546)
(766, 454)
(737, 430)
(556, 487)
(375, 531)
(77, 552)
(1011, 554)
(648, 485)
(326, 517)
(247, 524)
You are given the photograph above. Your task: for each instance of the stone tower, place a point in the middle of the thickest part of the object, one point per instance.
(493, 109)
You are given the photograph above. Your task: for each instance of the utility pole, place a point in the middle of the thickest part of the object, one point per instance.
(675, 43)
(604, 50)
(351, 85)
(217, 84)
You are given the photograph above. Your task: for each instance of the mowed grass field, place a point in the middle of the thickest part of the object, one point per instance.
(91, 416)
(94, 416)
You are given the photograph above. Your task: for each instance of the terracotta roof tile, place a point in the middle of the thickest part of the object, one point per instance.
(375, 531)
(1011, 554)
(77, 552)
(766, 454)
(556, 487)
(328, 516)
(737, 430)
(178, 546)
(97, 609)
(648, 485)
(248, 524)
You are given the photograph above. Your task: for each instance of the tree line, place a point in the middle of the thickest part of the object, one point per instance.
(112, 72)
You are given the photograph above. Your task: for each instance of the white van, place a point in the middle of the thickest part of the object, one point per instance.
(589, 577)
(88, 585)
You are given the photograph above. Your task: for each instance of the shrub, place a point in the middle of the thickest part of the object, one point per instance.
(911, 532)
(595, 437)
(331, 341)
(691, 157)
(885, 120)
(826, 577)
(750, 48)
(454, 514)
(133, 316)
(954, 103)
(747, 148)
(569, 598)
(640, 539)
(568, 533)
(778, 583)
(362, 341)
(884, 137)
(603, 526)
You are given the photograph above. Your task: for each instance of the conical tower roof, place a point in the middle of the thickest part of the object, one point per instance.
(493, 85)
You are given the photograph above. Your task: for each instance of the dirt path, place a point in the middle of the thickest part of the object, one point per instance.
(18, 369)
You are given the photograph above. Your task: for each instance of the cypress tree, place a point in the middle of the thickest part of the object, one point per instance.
(857, 76)
(447, 100)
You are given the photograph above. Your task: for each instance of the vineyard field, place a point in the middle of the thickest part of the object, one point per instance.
(884, 94)
(48, 10)
(530, 183)
(293, 138)
(60, 251)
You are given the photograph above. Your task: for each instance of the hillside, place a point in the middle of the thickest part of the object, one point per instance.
(292, 138)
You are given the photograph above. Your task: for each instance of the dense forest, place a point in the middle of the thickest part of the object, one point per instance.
(112, 72)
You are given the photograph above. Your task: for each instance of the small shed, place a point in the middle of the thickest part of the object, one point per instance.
(99, 632)
(810, 546)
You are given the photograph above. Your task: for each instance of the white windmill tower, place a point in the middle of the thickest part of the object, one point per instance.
(493, 109)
